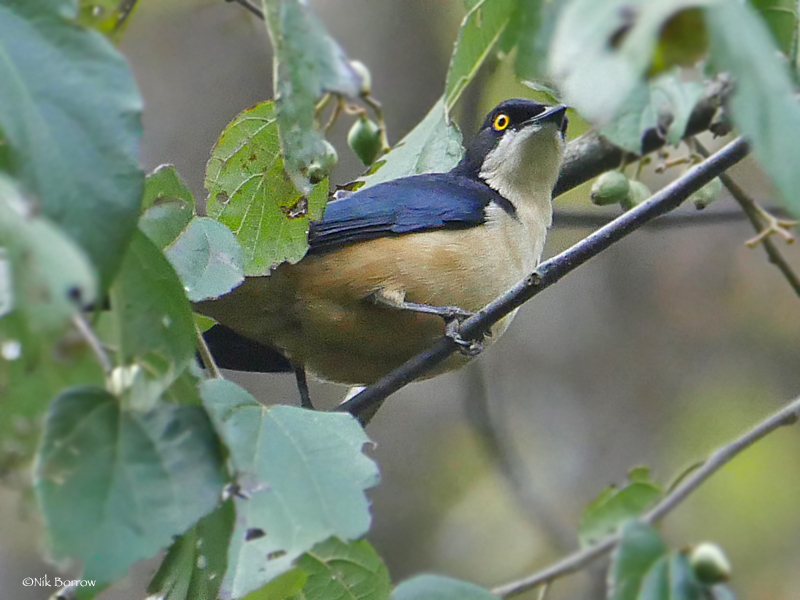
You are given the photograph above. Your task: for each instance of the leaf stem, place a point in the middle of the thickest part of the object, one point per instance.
(85, 329)
(252, 8)
(205, 355)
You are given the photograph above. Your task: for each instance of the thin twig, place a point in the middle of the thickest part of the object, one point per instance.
(751, 209)
(205, 354)
(88, 334)
(364, 405)
(719, 458)
(252, 8)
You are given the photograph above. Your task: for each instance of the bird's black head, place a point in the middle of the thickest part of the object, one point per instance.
(507, 120)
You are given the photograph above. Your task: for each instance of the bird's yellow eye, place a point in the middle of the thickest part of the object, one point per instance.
(501, 121)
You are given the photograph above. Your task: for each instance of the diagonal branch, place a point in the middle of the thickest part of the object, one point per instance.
(364, 405)
(788, 415)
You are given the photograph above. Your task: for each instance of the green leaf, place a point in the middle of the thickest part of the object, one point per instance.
(432, 146)
(167, 204)
(69, 111)
(602, 50)
(303, 473)
(667, 95)
(283, 587)
(436, 587)
(207, 258)
(165, 183)
(249, 192)
(114, 486)
(153, 329)
(637, 552)
(763, 107)
(110, 17)
(537, 22)
(196, 563)
(615, 506)
(339, 570)
(309, 63)
(44, 277)
(671, 578)
(480, 31)
(781, 19)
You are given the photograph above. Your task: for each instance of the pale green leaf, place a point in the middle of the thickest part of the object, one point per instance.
(764, 106)
(114, 486)
(601, 51)
(302, 474)
(436, 587)
(207, 258)
(69, 111)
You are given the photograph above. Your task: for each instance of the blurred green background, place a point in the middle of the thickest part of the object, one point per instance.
(655, 353)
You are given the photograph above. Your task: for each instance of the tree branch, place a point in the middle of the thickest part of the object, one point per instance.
(583, 219)
(252, 8)
(788, 415)
(364, 405)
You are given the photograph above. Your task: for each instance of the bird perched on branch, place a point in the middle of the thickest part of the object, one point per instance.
(387, 263)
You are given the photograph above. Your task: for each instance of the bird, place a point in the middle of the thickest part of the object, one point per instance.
(387, 263)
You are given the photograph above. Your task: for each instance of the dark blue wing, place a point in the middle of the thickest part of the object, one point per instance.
(409, 204)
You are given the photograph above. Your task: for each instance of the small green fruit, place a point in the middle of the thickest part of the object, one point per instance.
(322, 166)
(610, 188)
(364, 138)
(637, 194)
(709, 563)
(706, 194)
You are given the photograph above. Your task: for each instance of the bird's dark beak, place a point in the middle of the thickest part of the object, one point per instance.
(555, 114)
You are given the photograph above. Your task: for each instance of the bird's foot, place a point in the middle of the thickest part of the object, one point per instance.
(466, 347)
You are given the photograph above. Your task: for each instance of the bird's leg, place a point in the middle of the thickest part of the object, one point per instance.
(453, 317)
(302, 387)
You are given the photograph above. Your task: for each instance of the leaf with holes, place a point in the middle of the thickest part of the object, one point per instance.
(302, 474)
(250, 193)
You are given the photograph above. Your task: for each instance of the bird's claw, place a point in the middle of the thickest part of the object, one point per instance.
(466, 347)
